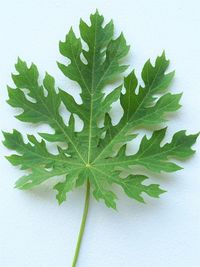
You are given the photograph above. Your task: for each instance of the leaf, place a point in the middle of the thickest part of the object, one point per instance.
(133, 187)
(96, 154)
(153, 156)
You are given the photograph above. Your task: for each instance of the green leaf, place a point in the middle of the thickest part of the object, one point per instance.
(133, 187)
(96, 154)
(152, 155)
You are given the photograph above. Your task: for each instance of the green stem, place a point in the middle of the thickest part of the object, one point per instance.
(82, 227)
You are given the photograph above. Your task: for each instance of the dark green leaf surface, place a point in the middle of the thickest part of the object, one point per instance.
(96, 153)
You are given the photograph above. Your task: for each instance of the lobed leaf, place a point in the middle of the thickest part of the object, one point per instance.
(96, 154)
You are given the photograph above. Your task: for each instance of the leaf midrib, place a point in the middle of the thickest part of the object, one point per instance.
(46, 157)
(92, 95)
(136, 160)
(92, 99)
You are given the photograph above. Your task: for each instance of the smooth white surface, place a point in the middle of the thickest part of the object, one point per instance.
(34, 230)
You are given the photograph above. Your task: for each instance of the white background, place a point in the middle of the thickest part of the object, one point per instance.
(34, 230)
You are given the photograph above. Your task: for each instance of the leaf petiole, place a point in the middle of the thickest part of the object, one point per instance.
(83, 222)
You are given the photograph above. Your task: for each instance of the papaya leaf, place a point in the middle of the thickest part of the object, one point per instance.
(96, 155)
